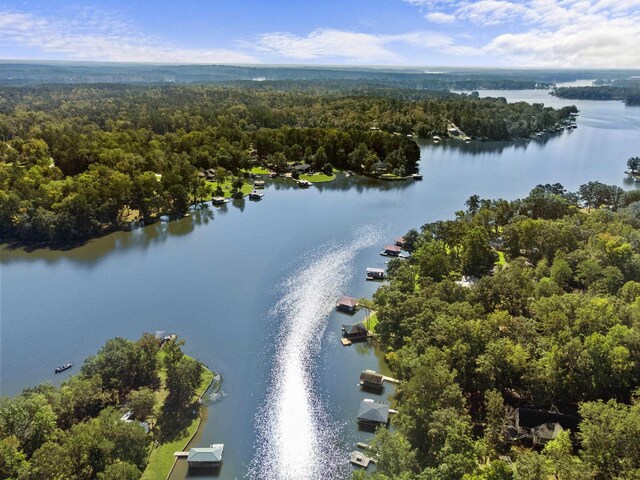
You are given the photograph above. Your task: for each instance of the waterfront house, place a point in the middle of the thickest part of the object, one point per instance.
(538, 426)
(200, 458)
(391, 251)
(375, 274)
(370, 380)
(356, 332)
(300, 169)
(373, 413)
(347, 304)
(399, 242)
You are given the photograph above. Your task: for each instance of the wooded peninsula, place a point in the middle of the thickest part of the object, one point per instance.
(79, 161)
(529, 368)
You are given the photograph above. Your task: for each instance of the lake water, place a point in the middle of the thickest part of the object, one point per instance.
(251, 287)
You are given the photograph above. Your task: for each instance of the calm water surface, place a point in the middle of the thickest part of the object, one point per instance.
(251, 287)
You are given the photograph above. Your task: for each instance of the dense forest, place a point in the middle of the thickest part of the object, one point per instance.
(78, 432)
(547, 321)
(627, 90)
(78, 161)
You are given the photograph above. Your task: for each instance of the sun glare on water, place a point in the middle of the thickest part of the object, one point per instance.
(296, 437)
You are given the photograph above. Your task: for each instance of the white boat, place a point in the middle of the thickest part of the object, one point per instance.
(219, 200)
(255, 195)
(304, 183)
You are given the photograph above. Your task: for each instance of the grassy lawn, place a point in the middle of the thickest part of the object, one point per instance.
(373, 321)
(501, 260)
(161, 458)
(260, 171)
(391, 176)
(318, 178)
(246, 189)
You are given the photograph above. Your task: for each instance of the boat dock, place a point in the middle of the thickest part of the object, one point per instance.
(181, 454)
(391, 380)
(360, 459)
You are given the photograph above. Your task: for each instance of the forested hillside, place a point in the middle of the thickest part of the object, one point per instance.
(78, 161)
(549, 320)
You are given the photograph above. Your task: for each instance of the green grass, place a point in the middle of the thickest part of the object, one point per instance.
(373, 321)
(501, 260)
(318, 178)
(260, 171)
(246, 189)
(162, 458)
(391, 176)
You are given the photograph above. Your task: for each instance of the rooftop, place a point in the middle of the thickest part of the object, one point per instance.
(213, 454)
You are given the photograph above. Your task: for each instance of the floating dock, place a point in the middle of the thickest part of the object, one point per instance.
(360, 459)
(345, 342)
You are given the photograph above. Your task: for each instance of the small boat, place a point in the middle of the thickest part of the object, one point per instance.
(273, 175)
(255, 195)
(416, 176)
(219, 200)
(258, 184)
(64, 367)
(436, 138)
(304, 183)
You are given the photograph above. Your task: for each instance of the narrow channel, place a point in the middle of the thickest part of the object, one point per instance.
(296, 436)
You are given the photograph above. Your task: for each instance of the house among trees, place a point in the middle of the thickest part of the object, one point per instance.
(300, 169)
(356, 332)
(373, 413)
(399, 242)
(201, 458)
(538, 426)
(347, 304)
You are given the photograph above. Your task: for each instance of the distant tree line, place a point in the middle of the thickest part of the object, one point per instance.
(78, 161)
(626, 90)
(551, 319)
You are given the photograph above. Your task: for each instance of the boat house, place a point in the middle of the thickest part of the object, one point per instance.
(538, 426)
(200, 458)
(399, 242)
(370, 380)
(375, 274)
(347, 304)
(373, 413)
(391, 251)
(258, 184)
(356, 332)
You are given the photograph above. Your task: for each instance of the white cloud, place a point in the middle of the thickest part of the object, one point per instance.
(555, 33)
(323, 43)
(352, 46)
(94, 35)
(439, 17)
(491, 12)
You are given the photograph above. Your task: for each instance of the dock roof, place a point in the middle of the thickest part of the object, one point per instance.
(371, 377)
(392, 248)
(372, 411)
(213, 454)
(348, 301)
(375, 270)
(355, 329)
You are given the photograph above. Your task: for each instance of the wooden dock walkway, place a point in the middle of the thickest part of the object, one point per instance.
(360, 459)
(391, 379)
(181, 454)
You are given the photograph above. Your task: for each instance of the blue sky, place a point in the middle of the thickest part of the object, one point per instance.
(522, 33)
